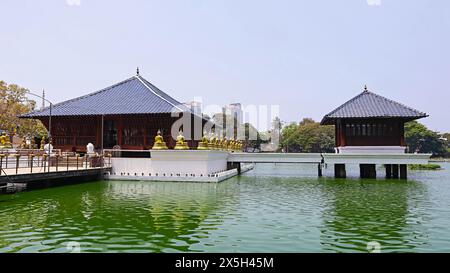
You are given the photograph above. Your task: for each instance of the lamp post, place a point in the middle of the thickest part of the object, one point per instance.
(49, 134)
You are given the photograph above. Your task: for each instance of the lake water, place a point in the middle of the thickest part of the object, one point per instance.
(274, 208)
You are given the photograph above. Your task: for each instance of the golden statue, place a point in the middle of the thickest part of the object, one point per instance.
(217, 143)
(212, 142)
(232, 145)
(24, 144)
(42, 143)
(181, 142)
(159, 142)
(4, 141)
(224, 144)
(203, 144)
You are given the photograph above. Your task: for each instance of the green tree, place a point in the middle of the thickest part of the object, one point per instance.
(13, 103)
(253, 138)
(420, 139)
(308, 136)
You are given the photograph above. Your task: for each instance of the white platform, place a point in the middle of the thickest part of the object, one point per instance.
(174, 165)
(371, 150)
(275, 157)
(364, 158)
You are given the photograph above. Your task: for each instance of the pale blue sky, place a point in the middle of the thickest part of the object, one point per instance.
(306, 56)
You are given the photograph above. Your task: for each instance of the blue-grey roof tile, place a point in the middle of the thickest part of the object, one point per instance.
(370, 105)
(132, 96)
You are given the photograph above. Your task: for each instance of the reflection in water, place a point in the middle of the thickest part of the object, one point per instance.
(359, 212)
(274, 208)
(116, 216)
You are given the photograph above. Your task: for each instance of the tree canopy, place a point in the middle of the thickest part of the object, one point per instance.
(420, 139)
(13, 103)
(308, 136)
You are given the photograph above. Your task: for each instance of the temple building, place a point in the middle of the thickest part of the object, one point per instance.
(126, 115)
(370, 123)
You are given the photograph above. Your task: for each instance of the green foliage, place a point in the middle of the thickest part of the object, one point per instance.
(425, 167)
(250, 143)
(13, 103)
(308, 136)
(422, 140)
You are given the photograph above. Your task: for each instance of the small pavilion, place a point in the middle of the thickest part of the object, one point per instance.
(371, 124)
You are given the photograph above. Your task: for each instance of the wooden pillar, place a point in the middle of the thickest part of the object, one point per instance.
(234, 165)
(388, 170)
(319, 169)
(238, 166)
(339, 171)
(368, 171)
(119, 131)
(403, 171)
(395, 171)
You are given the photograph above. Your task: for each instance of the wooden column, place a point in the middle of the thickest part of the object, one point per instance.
(339, 171)
(395, 171)
(234, 165)
(388, 171)
(119, 131)
(368, 171)
(403, 171)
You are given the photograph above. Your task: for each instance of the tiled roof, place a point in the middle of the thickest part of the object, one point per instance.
(133, 96)
(371, 105)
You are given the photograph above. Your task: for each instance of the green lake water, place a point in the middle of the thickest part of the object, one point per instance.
(274, 208)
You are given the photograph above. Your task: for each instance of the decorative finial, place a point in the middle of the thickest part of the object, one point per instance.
(43, 98)
(137, 71)
(365, 88)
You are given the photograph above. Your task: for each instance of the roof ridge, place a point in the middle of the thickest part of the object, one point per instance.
(84, 96)
(396, 102)
(368, 92)
(147, 83)
(346, 103)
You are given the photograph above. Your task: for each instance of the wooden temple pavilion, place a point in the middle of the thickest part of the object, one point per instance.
(126, 115)
(371, 124)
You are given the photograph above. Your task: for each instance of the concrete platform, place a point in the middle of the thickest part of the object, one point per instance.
(47, 179)
(170, 177)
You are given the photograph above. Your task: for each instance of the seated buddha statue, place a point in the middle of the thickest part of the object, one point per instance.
(181, 142)
(203, 144)
(231, 145)
(212, 142)
(224, 144)
(217, 143)
(159, 142)
(4, 141)
(42, 143)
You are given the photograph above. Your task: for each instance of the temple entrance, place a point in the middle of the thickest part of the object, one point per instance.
(110, 134)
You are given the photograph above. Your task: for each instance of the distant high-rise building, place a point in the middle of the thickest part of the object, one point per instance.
(195, 106)
(235, 110)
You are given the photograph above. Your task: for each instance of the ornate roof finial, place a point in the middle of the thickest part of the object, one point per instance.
(137, 71)
(43, 98)
(365, 88)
